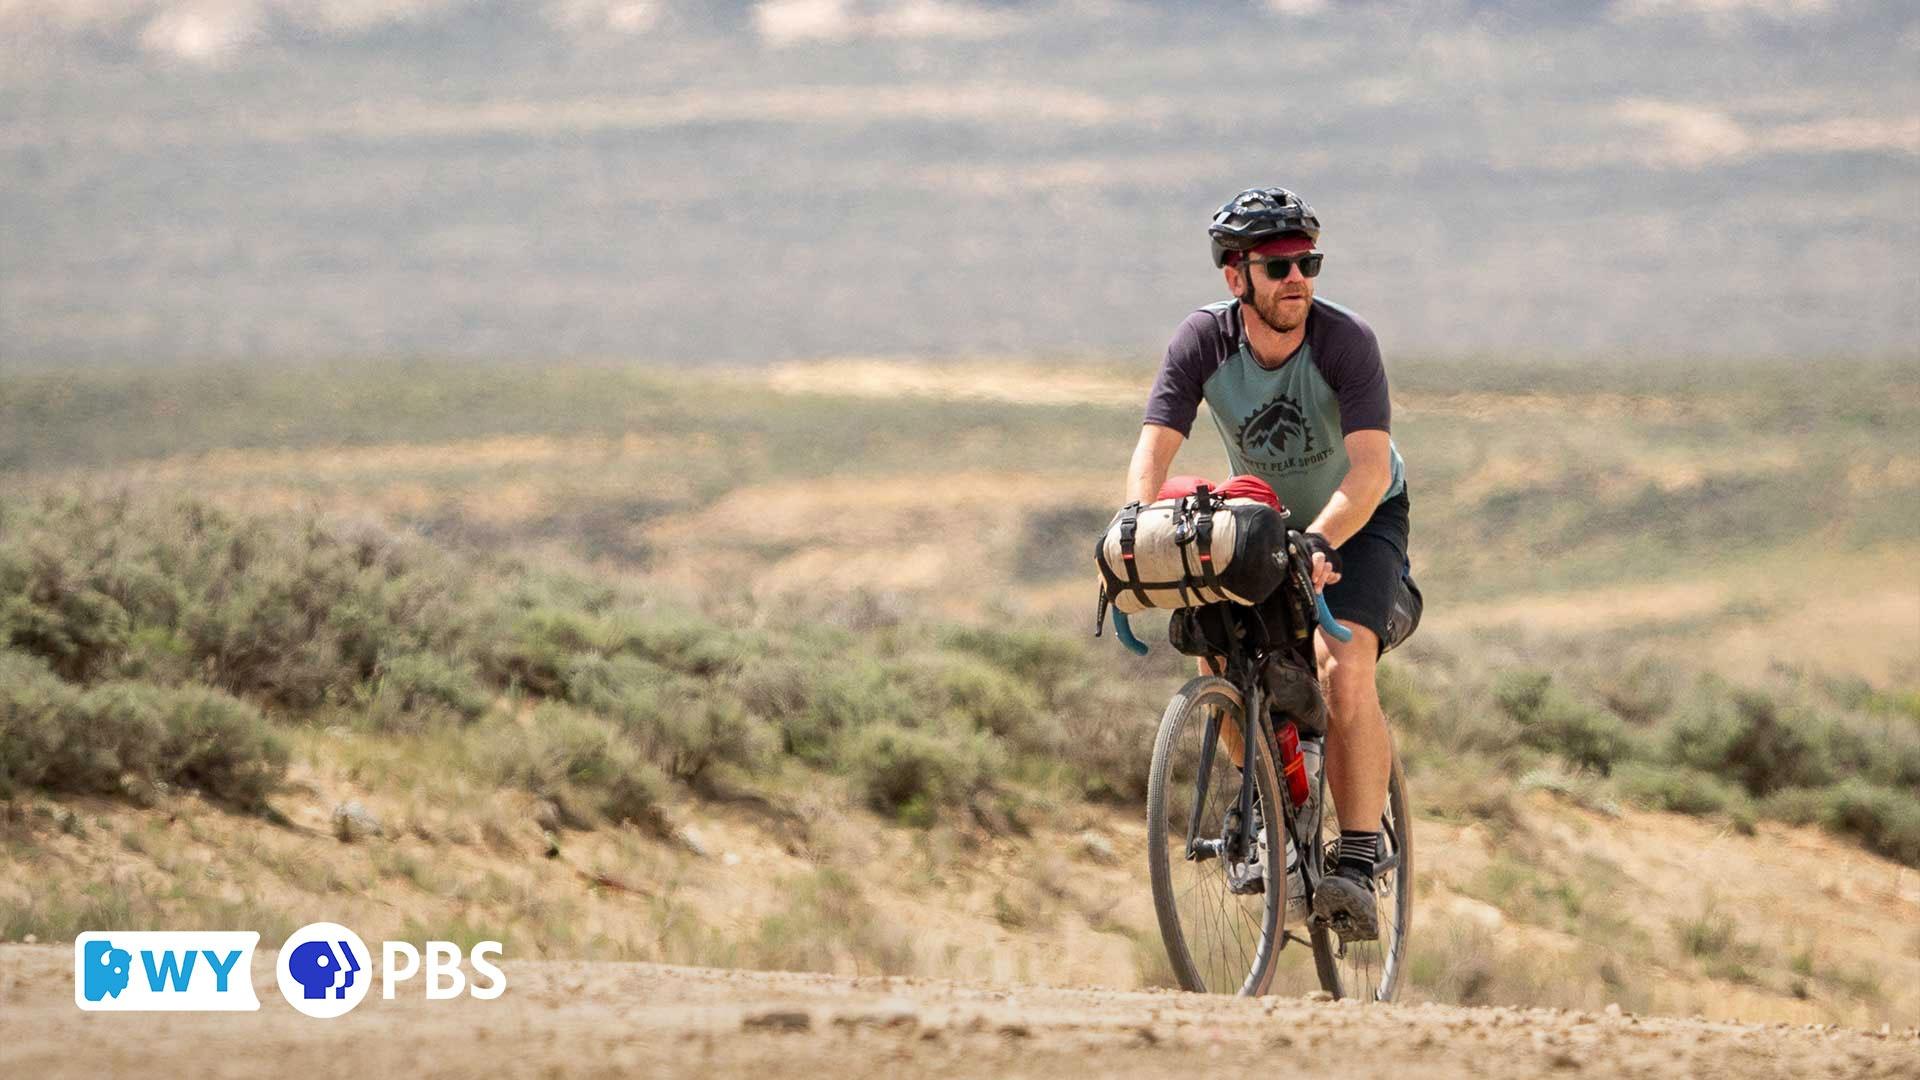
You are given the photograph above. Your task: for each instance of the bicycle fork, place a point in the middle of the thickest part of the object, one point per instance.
(1236, 834)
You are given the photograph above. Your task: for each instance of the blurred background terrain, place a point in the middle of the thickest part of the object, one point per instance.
(670, 180)
(447, 484)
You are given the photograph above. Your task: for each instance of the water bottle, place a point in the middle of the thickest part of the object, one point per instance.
(1292, 769)
(1313, 750)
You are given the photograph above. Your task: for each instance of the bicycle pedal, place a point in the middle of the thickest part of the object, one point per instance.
(1351, 933)
(1349, 925)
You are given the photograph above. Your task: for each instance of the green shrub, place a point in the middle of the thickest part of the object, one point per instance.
(1877, 747)
(1553, 720)
(57, 737)
(1677, 789)
(1797, 806)
(564, 752)
(221, 745)
(564, 745)
(536, 646)
(300, 621)
(158, 654)
(1714, 937)
(1904, 704)
(604, 683)
(987, 698)
(775, 689)
(1451, 720)
(542, 639)
(638, 794)
(685, 725)
(1750, 738)
(256, 641)
(106, 588)
(1708, 935)
(913, 774)
(52, 606)
(532, 587)
(857, 693)
(417, 690)
(1886, 820)
(689, 727)
(119, 735)
(685, 643)
(1042, 658)
(1106, 737)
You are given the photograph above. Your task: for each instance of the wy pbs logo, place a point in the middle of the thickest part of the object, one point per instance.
(324, 970)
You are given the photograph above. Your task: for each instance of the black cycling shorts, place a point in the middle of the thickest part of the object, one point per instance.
(1375, 588)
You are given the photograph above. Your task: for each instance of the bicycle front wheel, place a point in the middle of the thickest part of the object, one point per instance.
(1218, 899)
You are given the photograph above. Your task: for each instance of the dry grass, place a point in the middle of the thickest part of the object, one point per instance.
(1535, 511)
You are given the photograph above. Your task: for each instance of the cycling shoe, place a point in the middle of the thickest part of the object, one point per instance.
(1348, 907)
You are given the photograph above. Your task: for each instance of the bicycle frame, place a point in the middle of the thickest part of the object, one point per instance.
(1255, 736)
(1243, 670)
(1243, 646)
(1237, 834)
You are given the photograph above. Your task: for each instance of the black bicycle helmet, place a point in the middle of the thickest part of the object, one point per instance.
(1256, 216)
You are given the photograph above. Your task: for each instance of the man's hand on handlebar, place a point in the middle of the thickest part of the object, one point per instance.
(1326, 560)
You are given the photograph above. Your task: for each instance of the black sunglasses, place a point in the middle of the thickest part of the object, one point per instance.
(1278, 269)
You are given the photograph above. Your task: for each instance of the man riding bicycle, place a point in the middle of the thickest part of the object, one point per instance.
(1299, 395)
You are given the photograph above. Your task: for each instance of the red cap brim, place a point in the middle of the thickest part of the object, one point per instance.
(1290, 244)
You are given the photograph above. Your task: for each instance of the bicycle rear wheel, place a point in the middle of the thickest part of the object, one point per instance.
(1371, 970)
(1220, 932)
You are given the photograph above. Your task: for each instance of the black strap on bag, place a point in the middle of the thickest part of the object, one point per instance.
(1203, 540)
(1188, 514)
(1129, 527)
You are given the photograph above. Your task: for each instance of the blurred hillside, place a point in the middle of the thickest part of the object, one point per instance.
(792, 178)
(607, 661)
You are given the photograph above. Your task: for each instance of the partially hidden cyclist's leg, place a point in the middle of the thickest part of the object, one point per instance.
(1229, 730)
(1359, 752)
(1359, 755)
(1359, 764)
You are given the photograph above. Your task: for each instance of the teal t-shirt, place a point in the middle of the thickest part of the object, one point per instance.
(1285, 425)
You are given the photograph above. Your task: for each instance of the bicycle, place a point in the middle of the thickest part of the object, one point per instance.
(1225, 925)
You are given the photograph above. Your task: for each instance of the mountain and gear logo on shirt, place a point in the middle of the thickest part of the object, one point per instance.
(1274, 426)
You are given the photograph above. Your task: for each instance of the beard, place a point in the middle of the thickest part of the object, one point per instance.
(1283, 315)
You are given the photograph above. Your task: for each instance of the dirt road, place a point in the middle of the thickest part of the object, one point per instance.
(596, 1019)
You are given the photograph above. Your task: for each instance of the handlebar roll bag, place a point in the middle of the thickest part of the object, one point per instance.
(1193, 550)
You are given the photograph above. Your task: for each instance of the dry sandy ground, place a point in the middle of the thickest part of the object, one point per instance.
(576, 1019)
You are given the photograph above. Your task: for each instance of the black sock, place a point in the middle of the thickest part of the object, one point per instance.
(1358, 852)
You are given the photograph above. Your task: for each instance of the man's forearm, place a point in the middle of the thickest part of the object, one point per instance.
(1144, 480)
(1152, 457)
(1348, 511)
